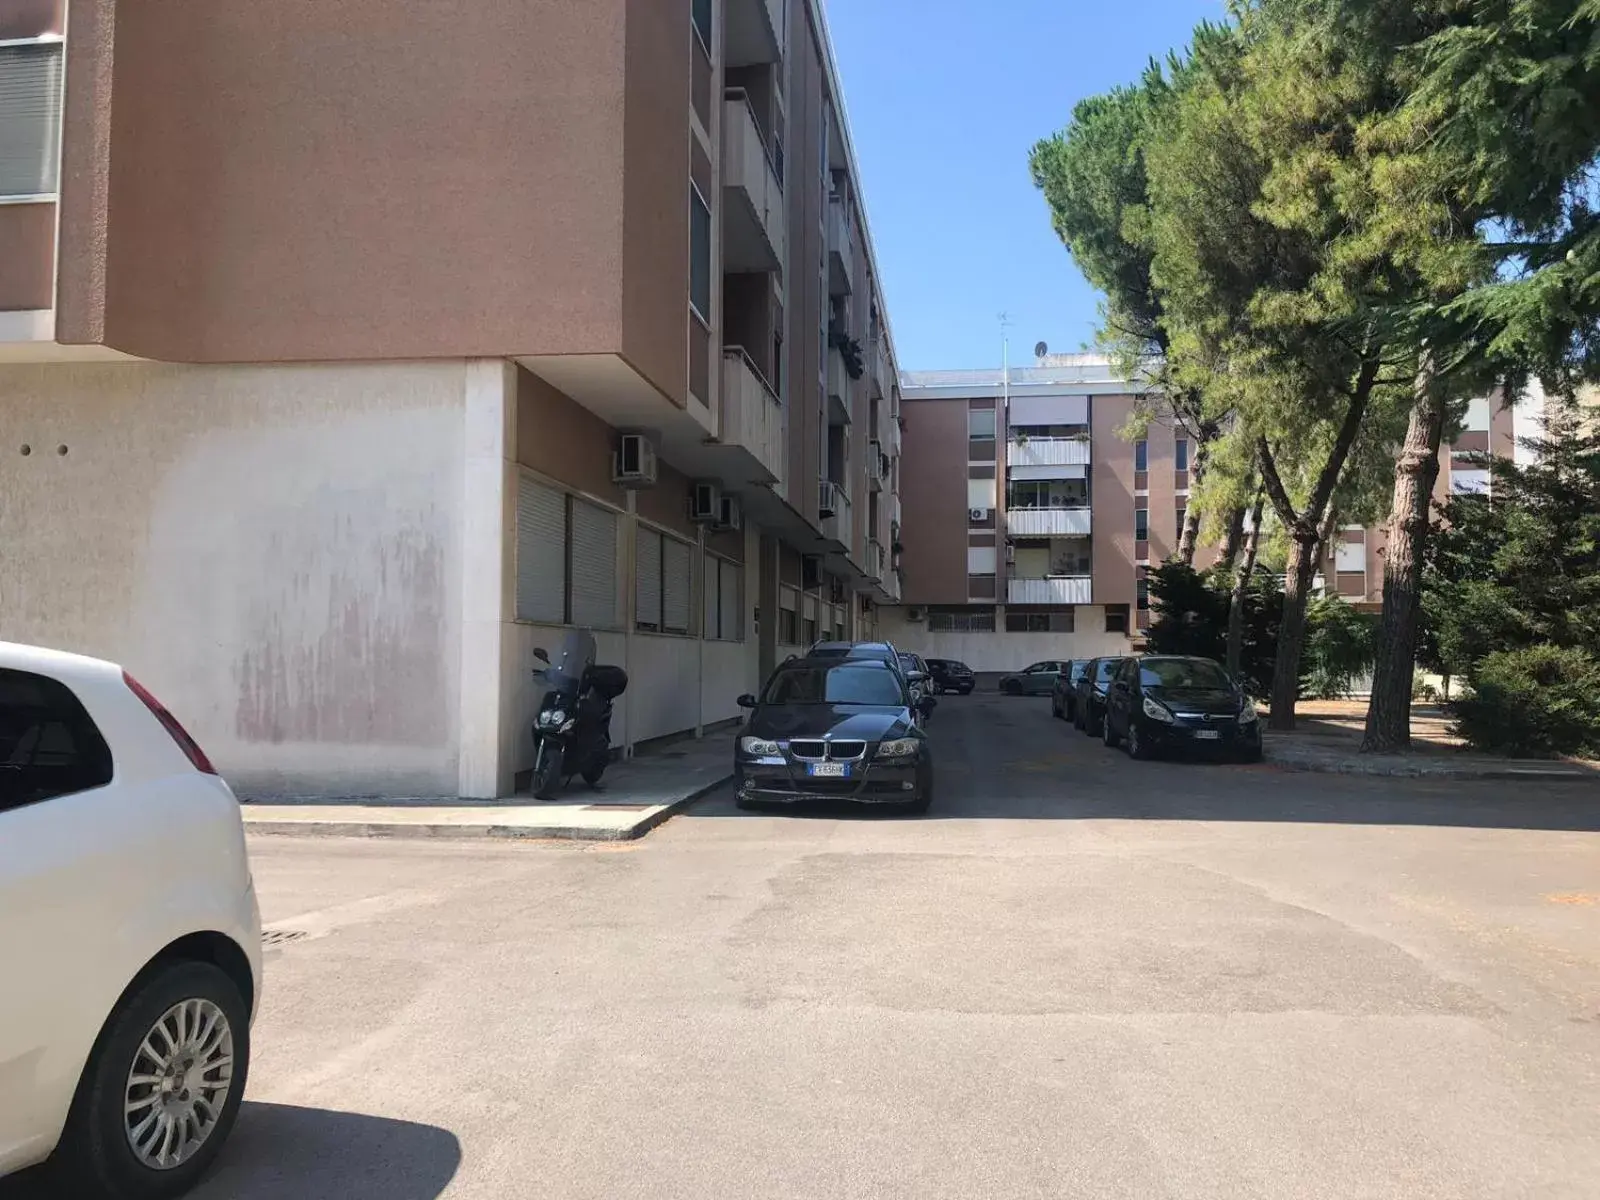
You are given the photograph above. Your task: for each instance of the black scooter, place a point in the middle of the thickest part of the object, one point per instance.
(572, 732)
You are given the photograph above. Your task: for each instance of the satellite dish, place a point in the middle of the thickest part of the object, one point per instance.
(1041, 350)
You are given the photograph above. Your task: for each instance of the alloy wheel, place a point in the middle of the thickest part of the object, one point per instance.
(178, 1084)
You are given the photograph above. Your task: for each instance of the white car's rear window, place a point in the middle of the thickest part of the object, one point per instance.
(49, 745)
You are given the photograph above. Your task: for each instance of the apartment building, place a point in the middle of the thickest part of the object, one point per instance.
(349, 363)
(1043, 554)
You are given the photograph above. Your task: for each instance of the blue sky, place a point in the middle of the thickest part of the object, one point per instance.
(945, 98)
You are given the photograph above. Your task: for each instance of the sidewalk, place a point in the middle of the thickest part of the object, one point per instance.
(1327, 738)
(633, 798)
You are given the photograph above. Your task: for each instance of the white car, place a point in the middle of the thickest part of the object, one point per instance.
(130, 940)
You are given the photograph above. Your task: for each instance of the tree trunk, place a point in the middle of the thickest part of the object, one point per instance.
(1292, 630)
(1241, 583)
(1232, 539)
(1189, 535)
(1389, 710)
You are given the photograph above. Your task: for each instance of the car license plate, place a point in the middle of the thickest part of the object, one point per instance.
(829, 770)
(1207, 735)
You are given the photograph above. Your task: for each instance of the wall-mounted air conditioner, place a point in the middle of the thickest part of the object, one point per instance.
(827, 498)
(634, 463)
(914, 613)
(705, 503)
(978, 514)
(730, 517)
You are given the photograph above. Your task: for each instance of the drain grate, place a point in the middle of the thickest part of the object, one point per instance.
(281, 937)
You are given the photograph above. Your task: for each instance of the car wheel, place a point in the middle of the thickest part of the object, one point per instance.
(1011, 687)
(1055, 708)
(1107, 734)
(161, 1090)
(1138, 748)
(1252, 755)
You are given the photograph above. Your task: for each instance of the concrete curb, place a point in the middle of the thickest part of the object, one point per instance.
(411, 831)
(1422, 770)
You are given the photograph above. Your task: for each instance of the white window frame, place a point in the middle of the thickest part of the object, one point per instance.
(56, 42)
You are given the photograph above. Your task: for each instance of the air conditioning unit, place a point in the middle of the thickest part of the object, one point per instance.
(634, 463)
(978, 514)
(1011, 554)
(914, 613)
(705, 503)
(827, 498)
(810, 572)
(730, 517)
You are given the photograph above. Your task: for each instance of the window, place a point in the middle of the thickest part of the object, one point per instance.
(788, 631)
(700, 10)
(1181, 673)
(1141, 456)
(724, 591)
(1180, 454)
(1141, 524)
(1048, 493)
(1050, 622)
(1182, 515)
(810, 629)
(30, 119)
(980, 424)
(961, 620)
(566, 559)
(662, 583)
(847, 683)
(699, 255)
(1142, 591)
(49, 745)
(1116, 618)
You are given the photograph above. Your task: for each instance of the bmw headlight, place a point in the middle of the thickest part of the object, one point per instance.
(1157, 711)
(759, 747)
(1248, 712)
(897, 748)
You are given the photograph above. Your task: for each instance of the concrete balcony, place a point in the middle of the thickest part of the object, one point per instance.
(1056, 589)
(840, 410)
(876, 564)
(878, 369)
(841, 249)
(753, 237)
(833, 508)
(1048, 522)
(754, 33)
(877, 467)
(894, 518)
(890, 436)
(1048, 452)
(751, 419)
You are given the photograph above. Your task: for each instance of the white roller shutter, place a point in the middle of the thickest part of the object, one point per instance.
(594, 566)
(677, 586)
(541, 553)
(647, 579)
(732, 613)
(30, 119)
(711, 597)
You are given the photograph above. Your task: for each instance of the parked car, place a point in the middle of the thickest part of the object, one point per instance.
(1089, 706)
(1036, 680)
(1064, 694)
(130, 939)
(834, 729)
(949, 675)
(1164, 702)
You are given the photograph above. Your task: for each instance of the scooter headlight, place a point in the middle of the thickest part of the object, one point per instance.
(552, 719)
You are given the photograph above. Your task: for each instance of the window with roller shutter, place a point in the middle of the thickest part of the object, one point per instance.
(647, 580)
(677, 585)
(594, 566)
(541, 553)
(30, 120)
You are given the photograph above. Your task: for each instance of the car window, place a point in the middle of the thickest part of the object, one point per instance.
(1078, 667)
(1105, 669)
(1182, 673)
(814, 684)
(49, 746)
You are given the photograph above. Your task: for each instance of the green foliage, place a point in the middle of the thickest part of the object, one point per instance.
(855, 364)
(1341, 646)
(1190, 616)
(1540, 700)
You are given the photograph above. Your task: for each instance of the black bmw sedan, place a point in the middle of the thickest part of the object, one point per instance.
(832, 729)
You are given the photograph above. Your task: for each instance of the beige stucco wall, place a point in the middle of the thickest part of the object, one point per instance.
(1004, 651)
(275, 551)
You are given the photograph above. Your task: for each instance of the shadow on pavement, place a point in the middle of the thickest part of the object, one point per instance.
(279, 1150)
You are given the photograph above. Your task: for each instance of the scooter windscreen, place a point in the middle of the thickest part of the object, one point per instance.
(570, 658)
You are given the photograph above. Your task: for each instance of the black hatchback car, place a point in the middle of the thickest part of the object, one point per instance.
(834, 729)
(1164, 702)
(951, 676)
(1089, 702)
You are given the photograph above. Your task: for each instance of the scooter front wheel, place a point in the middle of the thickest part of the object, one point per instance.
(547, 770)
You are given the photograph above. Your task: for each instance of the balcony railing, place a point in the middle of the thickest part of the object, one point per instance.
(1048, 452)
(840, 411)
(753, 225)
(894, 516)
(752, 416)
(833, 507)
(878, 368)
(1055, 589)
(891, 435)
(875, 558)
(841, 249)
(1047, 522)
(877, 466)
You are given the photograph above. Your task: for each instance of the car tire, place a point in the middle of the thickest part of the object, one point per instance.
(1055, 708)
(1011, 687)
(1252, 755)
(1137, 748)
(96, 1154)
(1108, 735)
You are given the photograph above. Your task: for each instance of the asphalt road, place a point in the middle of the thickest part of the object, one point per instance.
(1078, 977)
